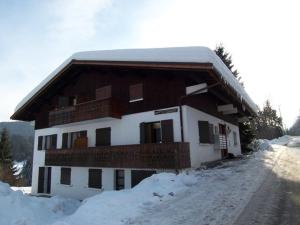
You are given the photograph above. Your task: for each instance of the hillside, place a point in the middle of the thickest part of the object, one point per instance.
(21, 138)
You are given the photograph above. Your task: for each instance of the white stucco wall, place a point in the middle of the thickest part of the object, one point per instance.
(123, 132)
(205, 152)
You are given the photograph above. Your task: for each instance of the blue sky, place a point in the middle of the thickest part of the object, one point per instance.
(37, 36)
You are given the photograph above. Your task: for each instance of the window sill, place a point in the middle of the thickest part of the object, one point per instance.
(95, 189)
(205, 144)
(66, 185)
(136, 100)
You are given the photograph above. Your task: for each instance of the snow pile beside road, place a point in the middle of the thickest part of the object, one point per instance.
(284, 140)
(294, 142)
(19, 209)
(117, 207)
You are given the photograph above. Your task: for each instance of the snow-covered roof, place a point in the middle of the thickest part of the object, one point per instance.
(167, 55)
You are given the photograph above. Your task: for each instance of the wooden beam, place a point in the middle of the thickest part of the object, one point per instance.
(227, 107)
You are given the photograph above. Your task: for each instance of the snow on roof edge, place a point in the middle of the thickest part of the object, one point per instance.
(172, 54)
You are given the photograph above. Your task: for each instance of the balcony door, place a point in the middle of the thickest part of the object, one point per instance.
(44, 180)
(157, 132)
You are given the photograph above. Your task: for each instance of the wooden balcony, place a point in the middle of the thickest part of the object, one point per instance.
(154, 156)
(85, 111)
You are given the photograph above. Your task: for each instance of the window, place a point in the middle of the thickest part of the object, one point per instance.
(157, 132)
(234, 138)
(138, 175)
(65, 176)
(119, 179)
(206, 134)
(76, 139)
(40, 143)
(50, 141)
(95, 178)
(103, 92)
(66, 101)
(136, 92)
(103, 136)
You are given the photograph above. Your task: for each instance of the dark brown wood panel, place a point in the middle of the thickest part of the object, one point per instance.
(156, 156)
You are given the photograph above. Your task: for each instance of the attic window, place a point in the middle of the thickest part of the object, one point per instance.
(136, 92)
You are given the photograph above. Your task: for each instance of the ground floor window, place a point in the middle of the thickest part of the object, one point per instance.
(44, 180)
(138, 175)
(65, 176)
(95, 178)
(119, 179)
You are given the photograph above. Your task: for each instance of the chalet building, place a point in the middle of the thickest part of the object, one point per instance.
(105, 120)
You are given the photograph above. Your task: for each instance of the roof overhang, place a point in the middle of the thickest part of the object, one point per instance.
(182, 58)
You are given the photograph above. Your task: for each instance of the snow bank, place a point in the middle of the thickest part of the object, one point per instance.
(117, 207)
(19, 209)
(294, 142)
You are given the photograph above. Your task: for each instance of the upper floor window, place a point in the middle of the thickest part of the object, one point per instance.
(157, 132)
(47, 142)
(66, 101)
(76, 139)
(136, 92)
(103, 92)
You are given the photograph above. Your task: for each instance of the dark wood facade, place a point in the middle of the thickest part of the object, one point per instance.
(140, 156)
(162, 88)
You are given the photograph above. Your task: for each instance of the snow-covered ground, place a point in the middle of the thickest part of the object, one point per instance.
(216, 196)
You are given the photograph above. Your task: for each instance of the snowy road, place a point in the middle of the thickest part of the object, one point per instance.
(277, 201)
(256, 191)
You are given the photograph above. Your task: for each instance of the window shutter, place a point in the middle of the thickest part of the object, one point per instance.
(95, 180)
(103, 92)
(53, 139)
(167, 131)
(136, 91)
(203, 131)
(103, 136)
(142, 133)
(41, 179)
(49, 180)
(65, 176)
(40, 143)
(211, 134)
(65, 140)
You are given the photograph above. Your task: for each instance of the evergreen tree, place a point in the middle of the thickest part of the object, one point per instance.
(247, 133)
(7, 168)
(268, 125)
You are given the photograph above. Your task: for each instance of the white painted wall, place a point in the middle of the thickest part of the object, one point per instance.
(123, 132)
(205, 152)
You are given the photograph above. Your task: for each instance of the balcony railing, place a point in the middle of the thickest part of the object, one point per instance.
(154, 156)
(85, 111)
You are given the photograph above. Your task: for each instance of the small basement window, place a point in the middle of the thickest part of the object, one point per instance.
(65, 176)
(136, 92)
(95, 178)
